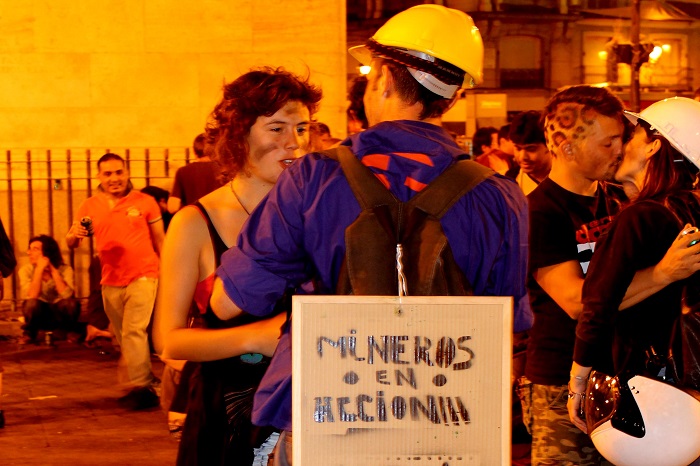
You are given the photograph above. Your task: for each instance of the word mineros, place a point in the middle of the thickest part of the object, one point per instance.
(409, 354)
(393, 349)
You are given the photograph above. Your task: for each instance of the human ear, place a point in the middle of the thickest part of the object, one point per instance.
(654, 147)
(386, 81)
(567, 149)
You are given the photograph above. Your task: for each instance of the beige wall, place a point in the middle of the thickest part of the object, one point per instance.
(145, 73)
(119, 74)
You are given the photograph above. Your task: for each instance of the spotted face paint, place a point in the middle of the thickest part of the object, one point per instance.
(568, 121)
(596, 140)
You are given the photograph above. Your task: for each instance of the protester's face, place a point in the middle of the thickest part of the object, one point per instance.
(114, 177)
(599, 153)
(275, 141)
(35, 251)
(589, 141)
(534, 159)
(637, 153)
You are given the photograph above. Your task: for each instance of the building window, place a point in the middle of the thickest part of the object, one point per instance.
(521, 62)
(596, 51)
(665, 68)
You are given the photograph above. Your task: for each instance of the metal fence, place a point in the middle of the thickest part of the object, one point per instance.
(41, 189)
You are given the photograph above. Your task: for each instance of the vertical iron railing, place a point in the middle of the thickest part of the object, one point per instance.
(30, 195)
(69, 188)
(68, 176)
(49, 192)
(10, 224)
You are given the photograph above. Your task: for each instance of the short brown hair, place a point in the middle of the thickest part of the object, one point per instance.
(566, 109)
(109, 156)
(482, 137)
(599, 99)
(411, 91)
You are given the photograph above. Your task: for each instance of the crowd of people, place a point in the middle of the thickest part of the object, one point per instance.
(584, 216)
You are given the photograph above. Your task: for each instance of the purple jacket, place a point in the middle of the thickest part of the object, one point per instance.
(297, 234)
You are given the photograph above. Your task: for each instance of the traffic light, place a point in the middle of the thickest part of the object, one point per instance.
(623, 53)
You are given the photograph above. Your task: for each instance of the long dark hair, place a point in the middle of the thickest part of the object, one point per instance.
(50, 249)
(670, 178)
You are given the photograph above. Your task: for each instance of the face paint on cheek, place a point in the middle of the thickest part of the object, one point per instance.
(262, 150)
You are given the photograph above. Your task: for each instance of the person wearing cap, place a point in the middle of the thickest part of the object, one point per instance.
(530, 150)
(419, 59)
(662, 161)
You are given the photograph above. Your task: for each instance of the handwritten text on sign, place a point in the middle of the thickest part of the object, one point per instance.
(378, 382)
(396, 362)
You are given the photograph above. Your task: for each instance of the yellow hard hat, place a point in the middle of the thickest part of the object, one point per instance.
(428, 32)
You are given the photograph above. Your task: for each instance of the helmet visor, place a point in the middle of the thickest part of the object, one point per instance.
(613, 399)
(602, 396)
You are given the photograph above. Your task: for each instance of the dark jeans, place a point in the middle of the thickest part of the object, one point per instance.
(40, 315)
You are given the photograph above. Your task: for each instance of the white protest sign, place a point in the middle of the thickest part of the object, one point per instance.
(421, 382)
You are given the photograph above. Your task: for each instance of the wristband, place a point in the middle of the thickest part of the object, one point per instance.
(572, 393)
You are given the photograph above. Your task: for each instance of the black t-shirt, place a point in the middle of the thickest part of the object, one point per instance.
(563, 227)
(638, 238)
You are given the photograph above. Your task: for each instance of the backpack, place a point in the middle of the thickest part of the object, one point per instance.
(399, 248)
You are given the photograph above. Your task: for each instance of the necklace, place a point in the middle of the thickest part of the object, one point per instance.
(238, 198)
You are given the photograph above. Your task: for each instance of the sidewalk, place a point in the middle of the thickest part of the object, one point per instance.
(61, 409)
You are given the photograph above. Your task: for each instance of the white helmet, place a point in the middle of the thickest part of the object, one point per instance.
(416, 37)
(643, 421)
(678, 120)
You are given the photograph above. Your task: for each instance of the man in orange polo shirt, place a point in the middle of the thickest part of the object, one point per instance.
(129, 232)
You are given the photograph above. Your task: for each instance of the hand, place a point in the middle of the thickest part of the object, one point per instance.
(43, 264)
(575, 405)
(266, 334)
(77, 230)
(681, 260)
